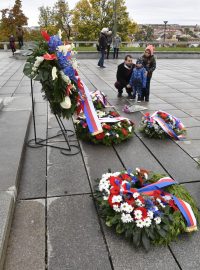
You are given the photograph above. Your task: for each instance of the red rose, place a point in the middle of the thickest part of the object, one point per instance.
(100, 136)
(114, 179)
(108, 127)
(48, 56)
(124, 131)
(115, 114)
(115, 190)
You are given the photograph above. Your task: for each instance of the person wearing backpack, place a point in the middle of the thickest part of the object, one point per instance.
(138, 80)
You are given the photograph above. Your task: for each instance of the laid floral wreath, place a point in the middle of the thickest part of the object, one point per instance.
(52, 64)
(162, 125)
(145, 206)
(115, 129)
(99, 99)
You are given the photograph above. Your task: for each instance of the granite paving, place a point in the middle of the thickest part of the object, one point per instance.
(56, 225)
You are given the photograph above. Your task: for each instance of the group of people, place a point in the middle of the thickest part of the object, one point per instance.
(135, 78)
(20, 35)
(106, 40)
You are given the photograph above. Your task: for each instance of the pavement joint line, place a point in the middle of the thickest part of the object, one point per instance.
(55, 196)
(96, 209)
(46, 187)
(173, 255)
(12, 75)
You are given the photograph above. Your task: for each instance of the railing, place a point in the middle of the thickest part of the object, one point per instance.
(167, 43)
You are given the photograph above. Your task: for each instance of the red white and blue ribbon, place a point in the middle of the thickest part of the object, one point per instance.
(92, 119)
(183, 206)
(157, 117)
(112, 119)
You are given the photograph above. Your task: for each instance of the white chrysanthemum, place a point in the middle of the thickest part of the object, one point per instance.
(116, 208)
(105, 198)
(147, 222)
(167, 197)
(135, 195)
(66, 103)
(117, 135)
(126, 207)
(157, 220)
(150, 214)
(139, 223)
(130, 129)
(116, 199)
(54, 73)
(103, 186)
(116, 174)
(106, 175)
(138, 214)
(137, 169)
(138, 202)
(146, 176)
(119, 124)
(126, 218)
(107, 134)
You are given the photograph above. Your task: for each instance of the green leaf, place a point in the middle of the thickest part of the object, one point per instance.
(119, 228)
(162, 232)
(137, 237)
(146, 241)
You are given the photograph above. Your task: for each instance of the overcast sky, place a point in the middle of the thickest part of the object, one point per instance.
(142, 11)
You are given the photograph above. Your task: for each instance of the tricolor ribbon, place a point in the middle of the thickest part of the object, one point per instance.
(112, 119)
(157, 117)
(183, 206)
(92, 120)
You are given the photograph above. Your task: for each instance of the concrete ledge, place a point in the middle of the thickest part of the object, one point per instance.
(159, 55)
(1, 104)
(7, 202)
(14, 123)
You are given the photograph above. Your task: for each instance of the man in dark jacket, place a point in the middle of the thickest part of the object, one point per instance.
(124, 72)
(102, 46)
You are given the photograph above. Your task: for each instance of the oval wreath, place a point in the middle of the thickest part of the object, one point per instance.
(146, 207)
(115, 129)
(162, 125)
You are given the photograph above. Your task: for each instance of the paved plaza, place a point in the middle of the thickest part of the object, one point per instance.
(56, 225)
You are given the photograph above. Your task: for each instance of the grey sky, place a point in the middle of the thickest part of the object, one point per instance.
(142, 11)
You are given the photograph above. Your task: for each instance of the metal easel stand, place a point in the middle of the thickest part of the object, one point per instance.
(69, 149)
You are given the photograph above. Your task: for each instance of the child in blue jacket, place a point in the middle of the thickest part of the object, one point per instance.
(138, 80)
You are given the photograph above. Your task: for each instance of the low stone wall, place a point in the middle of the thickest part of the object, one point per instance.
(159, 55)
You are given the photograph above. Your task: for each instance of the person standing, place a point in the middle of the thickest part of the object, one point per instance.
(124, 72)
(109, 42)
(138, 80)
(102, 46)
(149, 63)
(116, 44)
(20, 36)
(12, 44)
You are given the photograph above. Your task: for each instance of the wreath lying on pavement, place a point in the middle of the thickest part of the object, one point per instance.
(147, 208)
(99, 99)
(115, 129)
(52, 64)
(162, 125)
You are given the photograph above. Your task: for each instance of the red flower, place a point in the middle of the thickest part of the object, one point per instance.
(125, 176)
(108, 127)
(84, 125)
(76, 72)
(172, 204)
(147, 114)
(45, 35)
(115, 190)
(130, 201)
(115, 114)
(124, 131)
(100, 136)
(48, 56)
(113, 179)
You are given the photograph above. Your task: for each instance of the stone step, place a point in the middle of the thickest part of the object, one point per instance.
(14, 123)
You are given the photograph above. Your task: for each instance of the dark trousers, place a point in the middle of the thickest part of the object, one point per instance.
(121, 86)
(115, 53)
(138, 89)
(146, 92)
(108, 50)
(21, 43)
(101, 60)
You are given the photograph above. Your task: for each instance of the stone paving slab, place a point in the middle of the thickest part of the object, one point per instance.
(191, 147)
(26, 248)
(76, 241)
(67, 178)
(193, 133)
